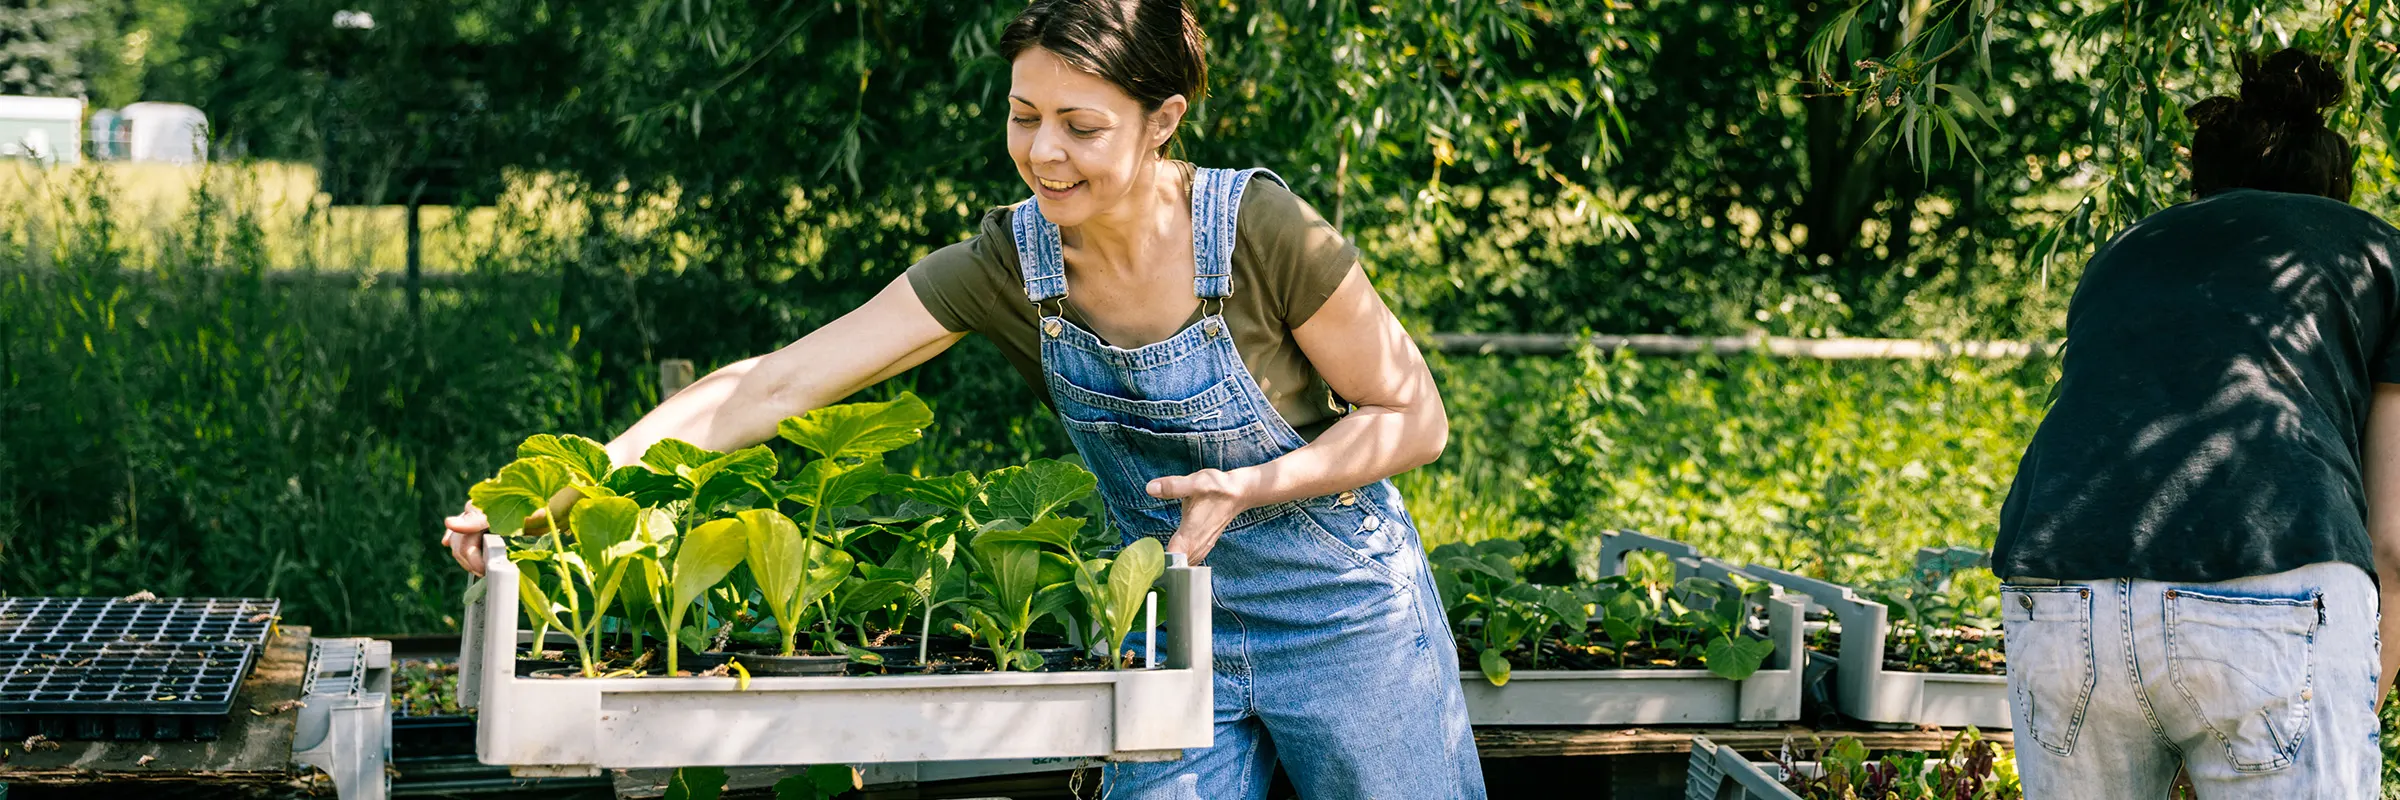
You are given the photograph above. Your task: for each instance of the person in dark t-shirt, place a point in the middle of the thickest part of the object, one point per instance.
(2194, 541)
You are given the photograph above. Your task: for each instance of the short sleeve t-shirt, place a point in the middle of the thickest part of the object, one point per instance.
(2221, 358)
(1287, 260)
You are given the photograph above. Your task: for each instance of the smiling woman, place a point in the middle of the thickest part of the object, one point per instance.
(1222, 363)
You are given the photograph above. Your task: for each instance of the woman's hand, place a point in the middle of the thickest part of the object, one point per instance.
(1211, 498)
(464, 532)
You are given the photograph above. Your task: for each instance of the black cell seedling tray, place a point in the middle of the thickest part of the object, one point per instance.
(173, 620)
(99, 668)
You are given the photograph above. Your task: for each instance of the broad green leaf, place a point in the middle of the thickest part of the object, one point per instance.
(1026, 660)
(826, 576)
(521, 488)
(696, 783)
(952, 492)
(1620, 631)
(819, 782)
(693, 639)
(1031, 492)
(1567, 607)
(645, 486)
(1495, 666)
(1117, 604)
(778, 557)
(1056, 600)
(1736, 658)
(1130, 576)
(602, 524)
(856, 430)
(861, 595)
(706, 555)
(1056, 532)
(1504, 548)
(728, 476)
(670, 456)
(586, 458)
(830, 485)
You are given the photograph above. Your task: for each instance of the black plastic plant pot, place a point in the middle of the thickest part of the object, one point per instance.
(793, 666)
(895, 655)
(433, 736)
(526, 667)
(1054, 659)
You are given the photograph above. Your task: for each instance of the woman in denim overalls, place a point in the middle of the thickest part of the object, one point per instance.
(1332, 652)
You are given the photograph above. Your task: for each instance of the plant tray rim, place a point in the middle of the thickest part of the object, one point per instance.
(1677, 673)
(845, 683)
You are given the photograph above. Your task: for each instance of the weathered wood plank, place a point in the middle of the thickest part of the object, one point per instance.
(254, 747)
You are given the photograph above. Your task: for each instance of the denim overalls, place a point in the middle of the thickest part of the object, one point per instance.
(1331, 647)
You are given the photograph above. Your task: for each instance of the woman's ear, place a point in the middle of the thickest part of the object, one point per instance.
(1164, 121)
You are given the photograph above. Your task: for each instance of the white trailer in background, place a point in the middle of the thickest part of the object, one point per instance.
(169, 133)
(43, 129)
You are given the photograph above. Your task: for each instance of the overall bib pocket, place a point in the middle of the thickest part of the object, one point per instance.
(2050, 661)
(2245, 665)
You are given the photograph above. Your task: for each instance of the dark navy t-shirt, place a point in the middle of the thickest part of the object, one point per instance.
(2221, 356)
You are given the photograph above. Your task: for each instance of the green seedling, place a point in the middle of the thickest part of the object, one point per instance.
(701, 560)
(1482, 586)
(795, 571)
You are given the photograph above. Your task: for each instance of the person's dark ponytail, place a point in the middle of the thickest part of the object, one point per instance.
(2273, 136)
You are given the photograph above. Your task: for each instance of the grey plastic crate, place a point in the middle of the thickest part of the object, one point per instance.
(1867, 692)
(1653, 696)
(579, 726)
(1719, 773)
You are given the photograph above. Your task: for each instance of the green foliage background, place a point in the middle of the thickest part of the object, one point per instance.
(184, 414)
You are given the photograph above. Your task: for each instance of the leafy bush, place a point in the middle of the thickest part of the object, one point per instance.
(1833, 469)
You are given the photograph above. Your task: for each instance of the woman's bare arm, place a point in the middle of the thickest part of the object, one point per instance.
(741, 404)
(1368, 358)
(2383, 522)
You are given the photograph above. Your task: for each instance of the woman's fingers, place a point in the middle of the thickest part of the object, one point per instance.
(465, 538)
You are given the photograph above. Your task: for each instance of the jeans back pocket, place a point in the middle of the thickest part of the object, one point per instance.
(2047, 632)
(2245, 665)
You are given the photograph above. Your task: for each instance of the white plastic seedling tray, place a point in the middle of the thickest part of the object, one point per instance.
(542, 727)
(1867, 692)
(1653, 696)
(1719, 773)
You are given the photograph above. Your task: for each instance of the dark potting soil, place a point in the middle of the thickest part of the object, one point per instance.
(1950, 651)
(1557, 655)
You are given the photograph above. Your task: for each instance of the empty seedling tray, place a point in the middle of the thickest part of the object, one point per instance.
(100, 668)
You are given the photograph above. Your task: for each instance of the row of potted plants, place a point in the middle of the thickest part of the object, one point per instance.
(1969, 767)
(1922, 649)
(807, 556)
(1667, 637)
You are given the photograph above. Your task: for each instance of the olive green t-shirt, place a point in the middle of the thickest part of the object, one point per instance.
(1286, 261)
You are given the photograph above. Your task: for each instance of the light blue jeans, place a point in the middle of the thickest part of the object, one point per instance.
(2261, 687)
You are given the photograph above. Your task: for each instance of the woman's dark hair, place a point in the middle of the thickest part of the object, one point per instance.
(1150, 48)
(2273, 136)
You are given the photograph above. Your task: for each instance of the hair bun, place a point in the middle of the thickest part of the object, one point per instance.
(2291, 83)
